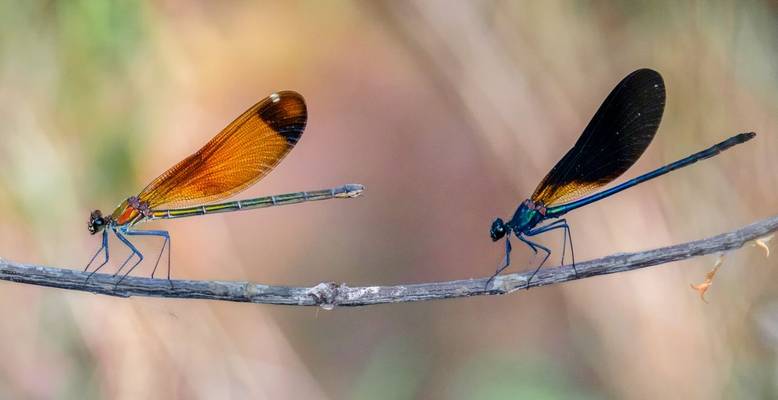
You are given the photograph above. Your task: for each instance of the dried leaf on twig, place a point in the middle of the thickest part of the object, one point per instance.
(762, 242)
(705, 285)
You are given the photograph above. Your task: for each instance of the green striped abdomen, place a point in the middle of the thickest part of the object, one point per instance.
(345, 191)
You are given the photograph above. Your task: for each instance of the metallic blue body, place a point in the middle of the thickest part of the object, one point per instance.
(529, 215)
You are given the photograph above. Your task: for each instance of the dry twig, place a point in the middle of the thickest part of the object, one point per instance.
(330, 294)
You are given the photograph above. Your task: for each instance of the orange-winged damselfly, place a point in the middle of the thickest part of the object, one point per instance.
(240, 155)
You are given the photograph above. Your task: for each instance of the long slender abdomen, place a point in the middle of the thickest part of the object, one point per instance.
(345, 191)
(556, 211)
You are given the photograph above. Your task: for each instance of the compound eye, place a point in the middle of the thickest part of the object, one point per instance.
(96, 221)
(498, 229)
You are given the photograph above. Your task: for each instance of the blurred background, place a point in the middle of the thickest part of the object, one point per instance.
(450, 113)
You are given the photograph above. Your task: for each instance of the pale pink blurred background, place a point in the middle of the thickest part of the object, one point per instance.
(450, 113)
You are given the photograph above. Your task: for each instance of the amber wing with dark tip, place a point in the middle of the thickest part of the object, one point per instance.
(241, 154)
(615, 138)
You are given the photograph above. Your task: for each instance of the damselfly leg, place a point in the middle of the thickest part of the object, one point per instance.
(561, 224)
(165, 243)
(103, 247)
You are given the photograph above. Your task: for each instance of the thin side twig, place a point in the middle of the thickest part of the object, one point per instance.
(330, 294)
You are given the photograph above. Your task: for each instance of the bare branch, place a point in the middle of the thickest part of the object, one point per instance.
(332, 294)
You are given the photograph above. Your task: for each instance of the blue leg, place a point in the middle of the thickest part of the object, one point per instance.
(561, 224)
(533, 245)
(104, 246)
(507, 260)
(124, 264)
(568, 236)
(134, 252)
(167, 243)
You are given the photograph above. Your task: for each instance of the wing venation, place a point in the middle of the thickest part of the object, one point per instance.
(240, 155)
(618, 134)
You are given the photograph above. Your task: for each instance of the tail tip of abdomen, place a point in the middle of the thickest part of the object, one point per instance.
(350, 190)
(746, 136)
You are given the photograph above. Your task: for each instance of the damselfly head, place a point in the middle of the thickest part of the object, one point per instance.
(96, 222)
(498, 229)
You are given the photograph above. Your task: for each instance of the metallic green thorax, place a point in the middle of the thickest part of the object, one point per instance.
(527, 216)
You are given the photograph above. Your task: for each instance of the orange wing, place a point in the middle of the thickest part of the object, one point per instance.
(240, 155)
